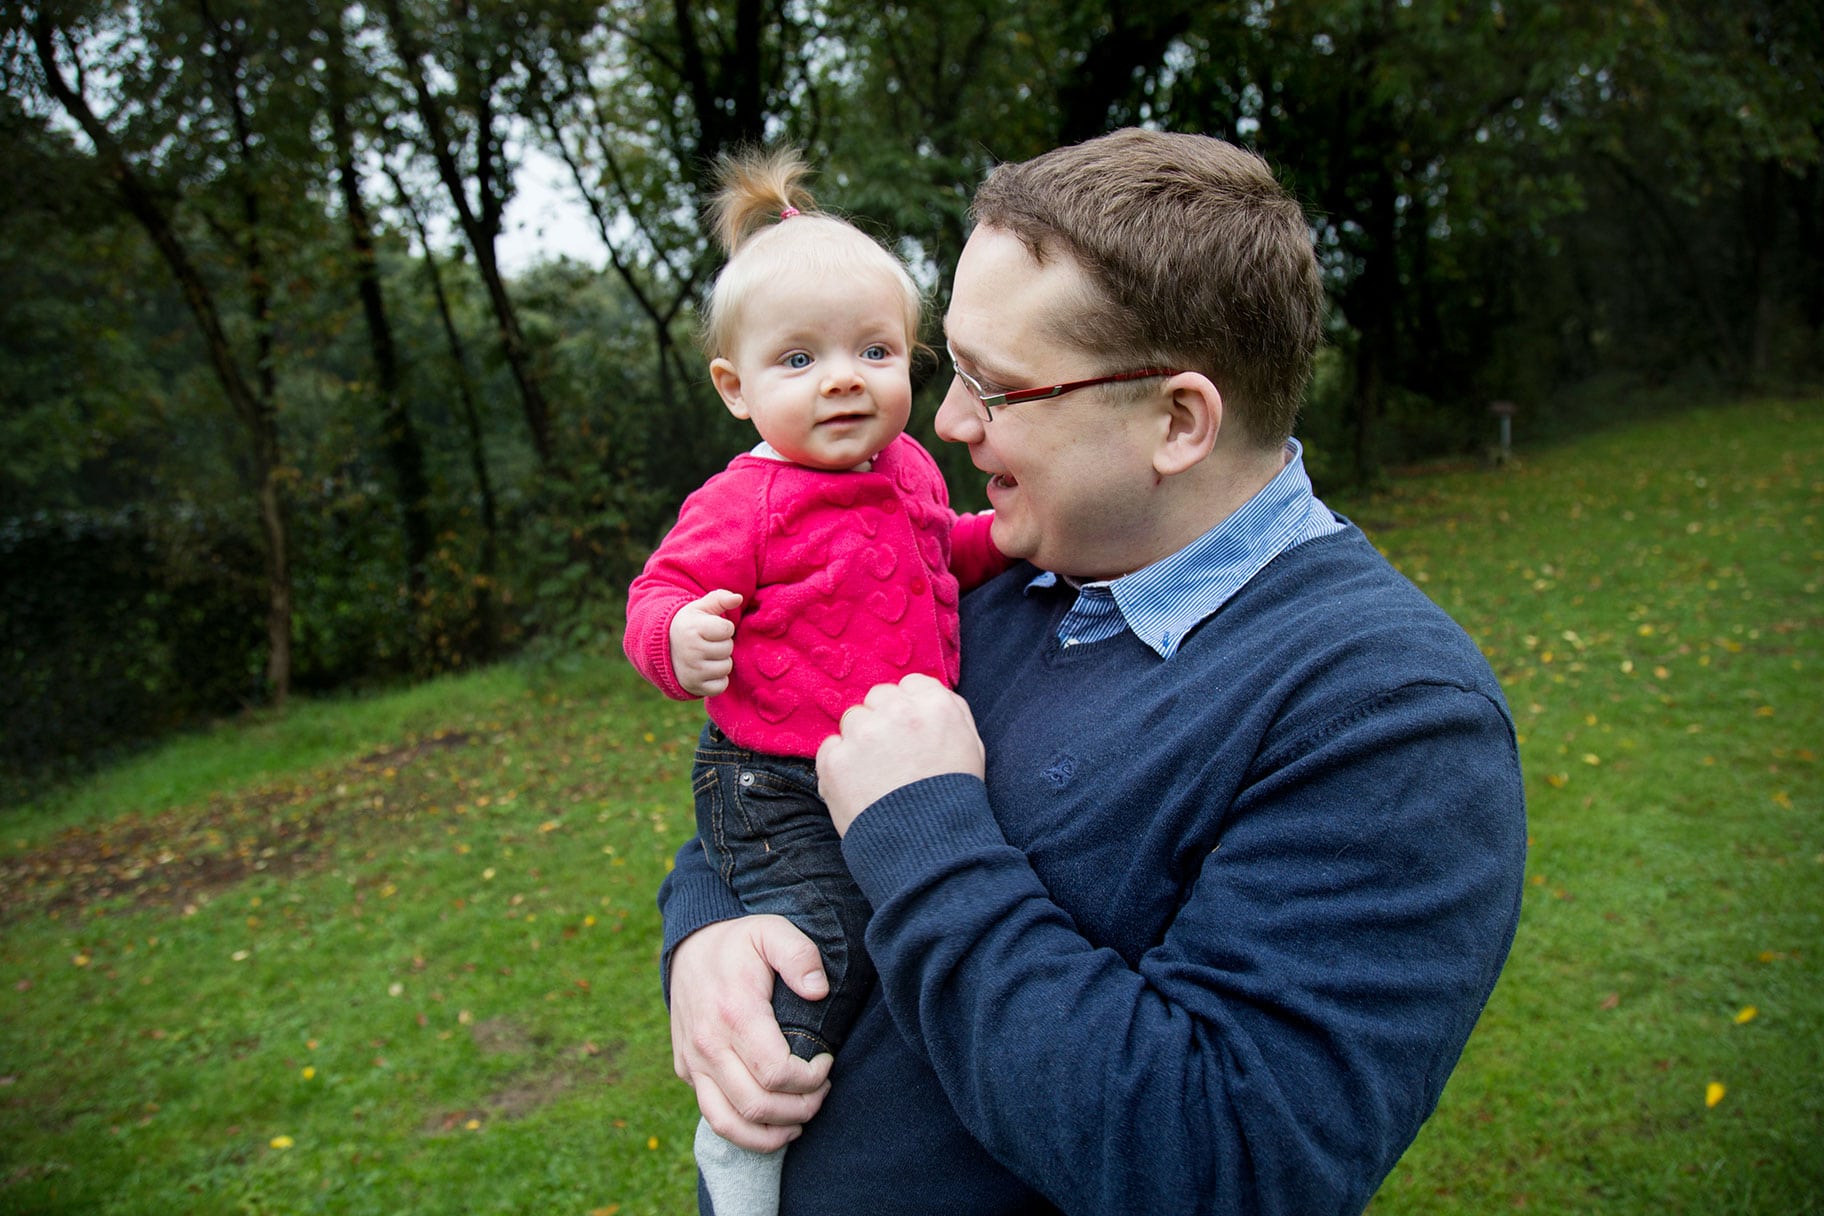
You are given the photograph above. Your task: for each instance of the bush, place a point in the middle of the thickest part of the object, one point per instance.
(118, 627)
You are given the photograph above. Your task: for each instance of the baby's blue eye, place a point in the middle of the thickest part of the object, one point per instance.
(876, 351)
(797, 360)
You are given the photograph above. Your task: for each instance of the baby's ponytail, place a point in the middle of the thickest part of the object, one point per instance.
(756, 188)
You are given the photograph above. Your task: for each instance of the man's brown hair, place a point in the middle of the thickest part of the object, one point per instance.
(1205, 260)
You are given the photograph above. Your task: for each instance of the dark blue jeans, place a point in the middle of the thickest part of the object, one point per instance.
(769, 836)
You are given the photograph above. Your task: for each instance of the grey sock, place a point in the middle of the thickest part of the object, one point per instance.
(740, 1181)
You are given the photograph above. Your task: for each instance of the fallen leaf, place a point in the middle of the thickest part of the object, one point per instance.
(281, 1142)
(1748, 1014)
(1713, 1093)
(1610, 1001)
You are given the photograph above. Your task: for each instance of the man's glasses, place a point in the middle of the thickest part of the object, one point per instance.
(991, 401)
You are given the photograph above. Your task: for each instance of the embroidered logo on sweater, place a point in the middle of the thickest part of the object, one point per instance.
(1061, 770)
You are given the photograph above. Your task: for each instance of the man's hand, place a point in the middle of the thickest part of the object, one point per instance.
(899, 734)
(703, 643)
(725, 1041)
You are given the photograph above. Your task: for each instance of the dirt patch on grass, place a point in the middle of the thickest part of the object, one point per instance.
(549, 1076)
(184, 855)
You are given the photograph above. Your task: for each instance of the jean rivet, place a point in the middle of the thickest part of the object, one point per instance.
(747, 778)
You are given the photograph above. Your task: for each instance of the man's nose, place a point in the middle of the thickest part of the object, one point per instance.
(959, 416)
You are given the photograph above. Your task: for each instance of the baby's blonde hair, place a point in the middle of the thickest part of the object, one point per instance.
(767, 222)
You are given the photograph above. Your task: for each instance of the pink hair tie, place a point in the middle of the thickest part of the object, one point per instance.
(788, 213)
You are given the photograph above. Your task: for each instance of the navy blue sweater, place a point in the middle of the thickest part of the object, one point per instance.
(1211, 935)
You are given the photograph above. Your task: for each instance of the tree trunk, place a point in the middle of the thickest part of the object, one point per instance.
(1761, 203)
(1373, 301)
(1111, 66)
(255, 414)
(487, 622)
(482, 228)
(399, 436)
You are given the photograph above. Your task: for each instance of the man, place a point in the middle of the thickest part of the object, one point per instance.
(1191, 899)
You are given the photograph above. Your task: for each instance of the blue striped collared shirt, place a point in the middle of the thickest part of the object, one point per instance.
(1163, 602)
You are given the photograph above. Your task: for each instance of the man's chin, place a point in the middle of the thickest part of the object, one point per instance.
(1006, 539)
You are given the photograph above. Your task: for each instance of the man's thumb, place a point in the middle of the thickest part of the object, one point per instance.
(794, 956)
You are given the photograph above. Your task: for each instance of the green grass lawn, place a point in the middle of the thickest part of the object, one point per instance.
(399, 953)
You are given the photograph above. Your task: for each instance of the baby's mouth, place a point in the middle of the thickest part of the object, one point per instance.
(1006, 481)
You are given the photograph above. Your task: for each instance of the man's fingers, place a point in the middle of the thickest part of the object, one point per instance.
(731, 1126)
(793, 955)
(725, 1040)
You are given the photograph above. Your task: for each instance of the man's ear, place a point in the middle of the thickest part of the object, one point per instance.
(1193, 420)
(727, 380)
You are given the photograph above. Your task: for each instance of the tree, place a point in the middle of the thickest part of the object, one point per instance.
(399, 434)
(178, 122)
(639, 100)
(464, 131)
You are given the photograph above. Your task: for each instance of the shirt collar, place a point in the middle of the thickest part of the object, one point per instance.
(1163, 602)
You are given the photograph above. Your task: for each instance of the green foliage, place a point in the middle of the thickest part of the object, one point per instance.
(117, 628)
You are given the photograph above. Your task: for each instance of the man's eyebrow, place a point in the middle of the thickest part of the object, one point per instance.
(966, 355)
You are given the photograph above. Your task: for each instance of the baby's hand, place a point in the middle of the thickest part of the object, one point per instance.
(703, 643)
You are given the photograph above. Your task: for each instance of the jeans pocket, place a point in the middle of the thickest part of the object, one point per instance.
(712, 819)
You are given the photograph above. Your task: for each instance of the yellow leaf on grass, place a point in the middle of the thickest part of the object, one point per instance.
(1747, 1014)
(281, 1142)
(652, 1142)
(1713, 1093)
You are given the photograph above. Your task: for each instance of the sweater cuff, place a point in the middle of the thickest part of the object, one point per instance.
(918, 830)
(691, 897)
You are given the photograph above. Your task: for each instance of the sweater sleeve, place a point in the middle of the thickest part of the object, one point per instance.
(714, 545)
(973, 556)
(691, 897)
(1278, 1049)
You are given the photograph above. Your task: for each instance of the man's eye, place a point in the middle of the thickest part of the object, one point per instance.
(797, 360)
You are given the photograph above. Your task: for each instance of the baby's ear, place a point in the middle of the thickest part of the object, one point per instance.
(727, 380)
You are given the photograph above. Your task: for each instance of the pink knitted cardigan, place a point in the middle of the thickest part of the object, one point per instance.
(848, 580)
